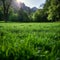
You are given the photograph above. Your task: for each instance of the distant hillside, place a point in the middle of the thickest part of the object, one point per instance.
(34, 9)
(17, 6)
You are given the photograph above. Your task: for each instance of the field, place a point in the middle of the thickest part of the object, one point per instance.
(29, 41)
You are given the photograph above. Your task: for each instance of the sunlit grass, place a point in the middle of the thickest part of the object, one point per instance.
(30, 41)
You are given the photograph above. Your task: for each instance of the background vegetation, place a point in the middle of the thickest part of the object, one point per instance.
(49, 13)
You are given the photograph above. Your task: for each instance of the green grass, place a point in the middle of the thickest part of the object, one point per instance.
(29, 41)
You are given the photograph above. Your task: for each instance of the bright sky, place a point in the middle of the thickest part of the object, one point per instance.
(32, 3)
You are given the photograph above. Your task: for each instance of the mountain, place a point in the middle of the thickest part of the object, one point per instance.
(17, 6)
(24, 7)
(34, 9)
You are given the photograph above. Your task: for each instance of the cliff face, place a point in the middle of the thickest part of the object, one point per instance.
(17, 6)
(34, 9)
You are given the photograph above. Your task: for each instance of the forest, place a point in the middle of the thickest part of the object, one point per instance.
(11, 12)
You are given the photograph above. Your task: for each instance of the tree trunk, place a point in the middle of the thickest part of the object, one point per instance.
(6, 15)
(6, 9)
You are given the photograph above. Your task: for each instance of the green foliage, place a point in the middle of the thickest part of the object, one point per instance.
(49, 13)
(53, 10)
(23, 16)
(23, 41)
(13, 17)
(1, 13)
(39, 16)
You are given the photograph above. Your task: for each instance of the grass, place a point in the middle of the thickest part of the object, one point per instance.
(29, 41)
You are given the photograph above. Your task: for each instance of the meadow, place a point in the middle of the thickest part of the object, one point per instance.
(30, 41)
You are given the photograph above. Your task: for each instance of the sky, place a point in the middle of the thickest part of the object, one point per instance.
(32, 3)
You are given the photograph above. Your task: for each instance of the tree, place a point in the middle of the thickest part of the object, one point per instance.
(54, 10)
(1, 13)
(23, 16)
(39, 16)
(6, 6)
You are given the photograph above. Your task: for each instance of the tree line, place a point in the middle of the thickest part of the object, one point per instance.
(49, 13)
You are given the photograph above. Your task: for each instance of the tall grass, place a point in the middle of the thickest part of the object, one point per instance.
(29, 41)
